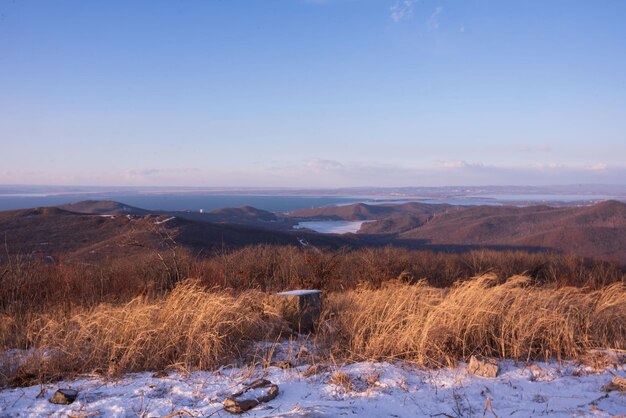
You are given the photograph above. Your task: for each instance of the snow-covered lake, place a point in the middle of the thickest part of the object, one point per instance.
(331, 227)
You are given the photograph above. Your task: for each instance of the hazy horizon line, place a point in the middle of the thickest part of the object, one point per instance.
(305, 188)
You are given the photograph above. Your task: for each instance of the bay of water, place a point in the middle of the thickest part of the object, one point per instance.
(282, 203)
(176, 201)
(331, 227)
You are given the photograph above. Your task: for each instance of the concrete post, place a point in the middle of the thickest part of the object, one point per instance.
(303, 309)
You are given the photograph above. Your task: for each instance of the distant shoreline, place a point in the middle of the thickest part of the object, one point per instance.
(195, 201)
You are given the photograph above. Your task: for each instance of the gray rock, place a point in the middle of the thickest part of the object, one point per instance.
(485, 367)
(239, 406)
(64, 396)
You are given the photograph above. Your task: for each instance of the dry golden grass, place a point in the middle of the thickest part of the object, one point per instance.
(30, 285)
(191, 328)
(434, 326)
(617, 383)
(341, 379)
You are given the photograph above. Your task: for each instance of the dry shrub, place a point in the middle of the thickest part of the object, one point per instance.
(341, 379)
(190, 328)
(514, 319)
(8, 330)
(599, 360)
(617, 383)
(30, 285)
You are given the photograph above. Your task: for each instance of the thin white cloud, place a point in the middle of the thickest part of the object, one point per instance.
(320, 165)
(320, 172)
(454, 164)
(433, 21)
(158, 173)
(549, 166)
(460, 164)
(163, 175)
(597, 167)
(402, 9)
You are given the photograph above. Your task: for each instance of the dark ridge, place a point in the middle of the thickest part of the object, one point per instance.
(103, 207)
(362, 211)
(44, 211)
(242, 213)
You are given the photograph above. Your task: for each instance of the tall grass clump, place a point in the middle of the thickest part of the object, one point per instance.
(191, 328)
(122, 315)
(514, 319)
(31, 285)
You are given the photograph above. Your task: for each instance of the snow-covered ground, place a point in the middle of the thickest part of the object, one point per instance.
(363, 389)
(160, 222)
(331, 227)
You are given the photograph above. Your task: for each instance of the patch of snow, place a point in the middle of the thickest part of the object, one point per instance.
(331, 227)
(164, 220)
(376, 389)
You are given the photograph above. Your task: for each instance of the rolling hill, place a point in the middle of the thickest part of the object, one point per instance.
(592, 231)
(94, 230)
(244, 215)
(597, 231)
(86, 237)
(103, 207)
(364, 212)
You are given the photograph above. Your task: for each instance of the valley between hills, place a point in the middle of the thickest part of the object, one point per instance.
(96, 229)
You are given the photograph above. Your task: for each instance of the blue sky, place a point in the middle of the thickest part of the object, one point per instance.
(319, 93)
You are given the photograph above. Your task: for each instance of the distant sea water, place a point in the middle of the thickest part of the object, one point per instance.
(282, 203)
(179, 201)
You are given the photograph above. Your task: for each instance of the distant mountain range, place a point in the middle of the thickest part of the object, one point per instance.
(95, 229)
